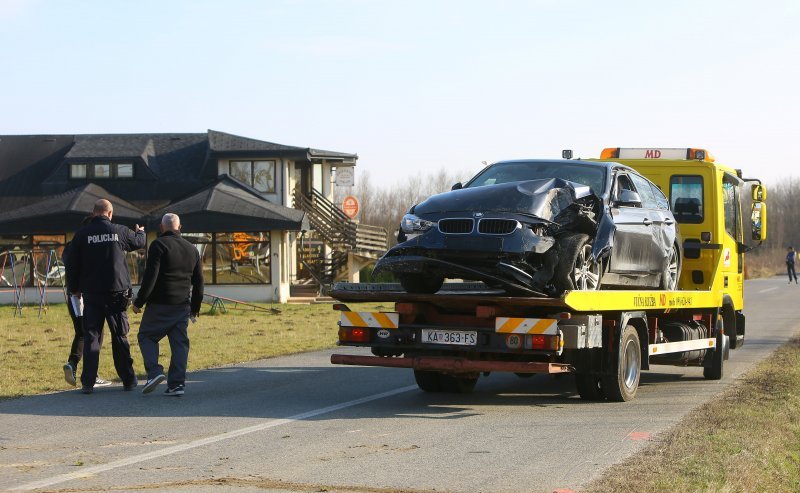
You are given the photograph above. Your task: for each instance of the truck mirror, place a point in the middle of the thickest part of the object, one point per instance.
(758, 221)
(759, 193)
(457, 186)
(629, 198)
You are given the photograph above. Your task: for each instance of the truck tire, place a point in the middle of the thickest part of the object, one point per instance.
(621, 386)
(589, 387)
(428, 381)
(672, 271)
(420, 284)
(574, 269)
(715, 370)
(457, 385)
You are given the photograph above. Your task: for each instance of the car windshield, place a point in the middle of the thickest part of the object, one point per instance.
(593, 176)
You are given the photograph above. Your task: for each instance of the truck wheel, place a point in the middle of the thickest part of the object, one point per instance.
(669, 278)
(589, 387)
(715, 370)
(428, 381)
(419, 284)
(457, 385)
(621, 386)
(575, 270)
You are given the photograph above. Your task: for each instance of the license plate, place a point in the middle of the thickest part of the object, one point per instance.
(452, 337)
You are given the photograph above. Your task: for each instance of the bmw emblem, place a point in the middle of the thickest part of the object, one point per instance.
(477, 214)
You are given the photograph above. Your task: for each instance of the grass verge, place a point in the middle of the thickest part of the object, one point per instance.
(34, 350)
(748, 439)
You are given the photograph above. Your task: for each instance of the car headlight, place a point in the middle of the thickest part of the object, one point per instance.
(412, 224)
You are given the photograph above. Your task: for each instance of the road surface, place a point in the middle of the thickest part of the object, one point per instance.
(299, 424)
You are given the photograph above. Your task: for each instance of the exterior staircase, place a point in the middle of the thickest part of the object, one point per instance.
(351, 245)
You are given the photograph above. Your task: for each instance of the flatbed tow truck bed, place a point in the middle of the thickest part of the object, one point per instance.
(466, 329)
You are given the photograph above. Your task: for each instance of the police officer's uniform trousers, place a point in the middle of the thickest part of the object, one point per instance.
(111, 308)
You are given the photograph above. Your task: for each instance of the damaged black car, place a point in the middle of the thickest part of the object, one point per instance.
(539, 228)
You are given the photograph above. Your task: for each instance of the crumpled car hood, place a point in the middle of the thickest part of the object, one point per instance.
(544, 199)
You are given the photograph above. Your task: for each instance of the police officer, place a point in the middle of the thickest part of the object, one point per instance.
(97, 270)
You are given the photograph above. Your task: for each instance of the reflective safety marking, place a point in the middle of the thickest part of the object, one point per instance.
(506, 325)
(378, 320)
(678, 347)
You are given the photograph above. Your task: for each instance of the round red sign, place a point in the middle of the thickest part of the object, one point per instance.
(350, 206)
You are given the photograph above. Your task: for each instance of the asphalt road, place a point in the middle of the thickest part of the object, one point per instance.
(299, 424)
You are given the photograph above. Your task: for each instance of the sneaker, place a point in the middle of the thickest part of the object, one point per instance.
(87, 390)
(69, 375)
(153, 383)
(131, 385)
(99, 382)
(176, 390)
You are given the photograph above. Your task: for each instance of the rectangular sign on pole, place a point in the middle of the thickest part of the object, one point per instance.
(345, 176)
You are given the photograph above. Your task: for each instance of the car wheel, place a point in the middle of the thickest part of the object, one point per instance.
(669, 278)
(420, 284)
(575, 270)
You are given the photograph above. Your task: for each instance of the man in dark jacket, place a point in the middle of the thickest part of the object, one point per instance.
(173, 270)
(76, 350)
(97, 270)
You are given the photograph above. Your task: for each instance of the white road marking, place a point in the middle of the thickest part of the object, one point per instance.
(768, 289)
(90, 471)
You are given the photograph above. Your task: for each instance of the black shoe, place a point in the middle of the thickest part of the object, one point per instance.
(176, 390)
(153, 383)
(131, 386)
(87, 390)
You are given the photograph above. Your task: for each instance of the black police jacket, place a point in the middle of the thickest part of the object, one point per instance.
(96, 263)
(173, 267)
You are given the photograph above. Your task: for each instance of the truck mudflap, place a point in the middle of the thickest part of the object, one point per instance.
(455, 365)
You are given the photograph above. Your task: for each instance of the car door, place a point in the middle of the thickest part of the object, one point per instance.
(659, 245)
(632, 256)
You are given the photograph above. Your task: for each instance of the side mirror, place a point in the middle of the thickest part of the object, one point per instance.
(758, 221)
(629, 198)
(759, 193)
(457, 186)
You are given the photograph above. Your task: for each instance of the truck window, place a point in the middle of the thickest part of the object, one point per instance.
(686, 197)
(730, 199)
(645, 192)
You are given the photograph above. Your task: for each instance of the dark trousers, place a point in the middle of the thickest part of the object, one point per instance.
(171, 321)
(98, 309)
(76, 351)
(790, 268)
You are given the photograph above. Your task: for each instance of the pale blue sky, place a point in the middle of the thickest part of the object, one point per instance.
(415, 86)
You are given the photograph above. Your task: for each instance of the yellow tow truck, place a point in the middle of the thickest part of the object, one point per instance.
(605, 338)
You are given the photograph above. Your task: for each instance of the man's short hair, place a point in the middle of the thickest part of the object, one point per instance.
(171, 221)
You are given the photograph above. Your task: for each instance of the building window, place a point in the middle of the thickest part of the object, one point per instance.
(234, 258)
(77, 171)
(27, 260)
(258, 174)
(125, 170)
(101, 171)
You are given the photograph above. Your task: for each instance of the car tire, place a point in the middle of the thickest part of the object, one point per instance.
(574, 270)
(672, 271)
(420, 284)
(457, 385)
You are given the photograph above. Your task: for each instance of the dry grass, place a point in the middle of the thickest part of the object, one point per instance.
(746, 440)
(33, 351)
(765, 263)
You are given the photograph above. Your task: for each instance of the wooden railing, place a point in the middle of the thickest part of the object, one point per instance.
(338, 230)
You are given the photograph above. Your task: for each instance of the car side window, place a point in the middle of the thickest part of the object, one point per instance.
(661, 199)
(622, 183)
(645, 192)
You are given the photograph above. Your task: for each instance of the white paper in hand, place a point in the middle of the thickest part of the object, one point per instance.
(77, 305)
